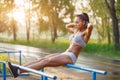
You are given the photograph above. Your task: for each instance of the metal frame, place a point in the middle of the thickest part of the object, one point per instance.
(13, 52)
(44, 75)
(93, 71)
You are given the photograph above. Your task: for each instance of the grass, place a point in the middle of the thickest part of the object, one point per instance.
(59, 45)
(62, 44)
(102, 49)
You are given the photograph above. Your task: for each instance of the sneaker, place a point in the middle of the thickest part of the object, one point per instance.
(13, 70)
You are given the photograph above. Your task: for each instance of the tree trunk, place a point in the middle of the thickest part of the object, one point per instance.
(14, 34)
(108, 35)
(108, 30)
(115, 32)
(14, 29)
(115, 25)
(111, 7)
(53, 29)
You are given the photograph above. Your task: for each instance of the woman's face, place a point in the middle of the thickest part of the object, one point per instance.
(79, 23)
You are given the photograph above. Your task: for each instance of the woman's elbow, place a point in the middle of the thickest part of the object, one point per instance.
(90, 26)
(66, 26)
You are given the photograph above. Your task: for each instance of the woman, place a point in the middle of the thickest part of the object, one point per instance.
(81, 31)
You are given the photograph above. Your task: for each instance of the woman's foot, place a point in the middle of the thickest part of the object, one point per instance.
(12, 69)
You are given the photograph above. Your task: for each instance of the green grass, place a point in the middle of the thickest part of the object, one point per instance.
(62, 44)
(102, 49)
(59, 45)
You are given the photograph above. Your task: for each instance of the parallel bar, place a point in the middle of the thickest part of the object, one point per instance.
(43, 77)
(12, 52)
(9, 51)
(36, 72)
(3, 70)
(20, 58)
(86, 69)
(93, 76)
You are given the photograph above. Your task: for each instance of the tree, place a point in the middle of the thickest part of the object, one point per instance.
(7, 6)
(55, 10)
(111, 6)
(103, 28)
(27, 20)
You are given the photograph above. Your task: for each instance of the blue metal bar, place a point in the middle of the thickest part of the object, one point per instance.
(93, 75)
(3, 70)
(43, 77)
(94, 71)
(86, 69)
(35, 71)
(9, 52)
(20, 58)
(12, 52)
(46, 76)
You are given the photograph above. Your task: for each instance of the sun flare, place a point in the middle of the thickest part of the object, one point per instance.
(18, 13)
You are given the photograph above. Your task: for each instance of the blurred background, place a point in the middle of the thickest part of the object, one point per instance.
(40, 22)
(38, 29)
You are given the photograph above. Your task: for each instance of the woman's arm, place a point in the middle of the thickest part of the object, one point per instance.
(70, 27)
(88, 31)
(89, 27)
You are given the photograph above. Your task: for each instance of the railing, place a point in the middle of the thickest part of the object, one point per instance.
(3, 70)
(93, 71)
(44, 75)
(12, 52)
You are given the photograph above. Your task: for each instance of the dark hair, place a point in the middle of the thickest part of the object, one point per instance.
(84, 16)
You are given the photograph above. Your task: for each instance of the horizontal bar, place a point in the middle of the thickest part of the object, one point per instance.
(10, 51)
(8, 75)
(86, 69)
(35, 71)
(2, 62)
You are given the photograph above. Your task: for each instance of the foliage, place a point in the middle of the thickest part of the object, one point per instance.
(117, 6)
(55, 11)
(103, 27)
(112, 11)
(3, 57)
(3, 17)
(7, 24)
(108, 18)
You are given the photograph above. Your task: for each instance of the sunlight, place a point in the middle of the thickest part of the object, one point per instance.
(18, 12)
(19, 2)
(18, 15)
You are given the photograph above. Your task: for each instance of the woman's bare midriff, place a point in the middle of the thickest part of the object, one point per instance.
(74, 48)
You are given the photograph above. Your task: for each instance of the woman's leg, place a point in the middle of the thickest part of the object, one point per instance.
(57, 60)
(51, 55)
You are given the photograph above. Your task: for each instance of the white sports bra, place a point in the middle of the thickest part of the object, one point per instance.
(77, 39)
